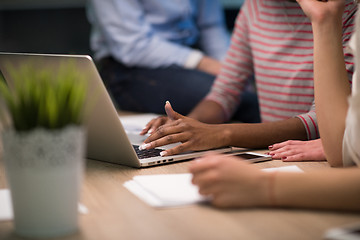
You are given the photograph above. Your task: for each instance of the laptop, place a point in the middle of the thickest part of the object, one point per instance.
(106, 138)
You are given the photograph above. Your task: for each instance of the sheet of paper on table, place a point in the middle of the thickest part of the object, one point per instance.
(6, 211)
(174, 190)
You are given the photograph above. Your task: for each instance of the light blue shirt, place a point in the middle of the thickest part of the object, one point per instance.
(156, 33)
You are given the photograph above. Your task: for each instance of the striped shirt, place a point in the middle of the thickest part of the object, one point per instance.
(273, 41)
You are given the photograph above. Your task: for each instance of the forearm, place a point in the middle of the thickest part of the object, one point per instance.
(332, 189)
(331, 88)
(209, 65)
(262, 135)
(208, 112)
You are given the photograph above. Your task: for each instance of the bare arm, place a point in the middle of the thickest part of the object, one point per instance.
(234, 183)
(331, 86)
(195, 135)
(208, 112)
(331, 89)
(311, 190)
(330, 77)
(209, 65)
(261, 135)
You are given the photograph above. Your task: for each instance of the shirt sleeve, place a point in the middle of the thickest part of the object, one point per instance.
(214, 37)
(310, 123)
(236, 68)
(351, 140)
(131, 40)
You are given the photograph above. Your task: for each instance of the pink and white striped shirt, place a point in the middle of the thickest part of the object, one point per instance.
(273, 40)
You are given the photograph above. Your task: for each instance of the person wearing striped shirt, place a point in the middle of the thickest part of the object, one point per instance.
(229, 182)
(272, 40)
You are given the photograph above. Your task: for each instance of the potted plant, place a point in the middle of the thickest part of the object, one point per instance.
(43, 147)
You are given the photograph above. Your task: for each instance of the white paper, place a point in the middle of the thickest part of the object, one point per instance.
(291, 168)
(165, 190)
(6, 212)
(174, 190)
(135, 123)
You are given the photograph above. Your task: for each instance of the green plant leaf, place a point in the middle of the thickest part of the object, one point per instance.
(49, 98)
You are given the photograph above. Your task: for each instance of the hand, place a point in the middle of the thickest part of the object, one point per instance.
(230, 182)
(154, 124)
(209, 65)
(322, 10)
(206, 111)
(192, 134)
(291, 151)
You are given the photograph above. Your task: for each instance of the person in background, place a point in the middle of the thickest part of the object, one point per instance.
(151, 51)
(233, 183)
(278, 48)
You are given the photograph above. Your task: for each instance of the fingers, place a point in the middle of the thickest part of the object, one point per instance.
(159, 121)
(293, 154)
(153, 125)
(294, 158)
(286, 143)
(164, 130)
(287, 155)
(168, 135)
(171, 113)
(291, 151)
(183, 147)
(162, 141)
(282, 152)
(209, 160)
(205, 173)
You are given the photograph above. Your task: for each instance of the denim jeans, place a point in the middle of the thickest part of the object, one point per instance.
(146, 90)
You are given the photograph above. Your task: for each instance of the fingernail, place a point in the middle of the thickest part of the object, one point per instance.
(144, 146)
(270, 147)
(283, 158)
(163, 153)
(150, 131)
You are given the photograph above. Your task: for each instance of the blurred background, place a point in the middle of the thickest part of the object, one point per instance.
(58, 26)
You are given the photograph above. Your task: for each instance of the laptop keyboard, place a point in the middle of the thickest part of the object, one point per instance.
(147, 153)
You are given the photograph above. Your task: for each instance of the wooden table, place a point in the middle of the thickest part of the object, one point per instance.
(115, 213)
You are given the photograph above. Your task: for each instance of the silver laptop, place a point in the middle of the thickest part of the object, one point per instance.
(106, 138)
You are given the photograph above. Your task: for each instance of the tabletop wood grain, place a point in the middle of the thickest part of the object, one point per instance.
(115, 213)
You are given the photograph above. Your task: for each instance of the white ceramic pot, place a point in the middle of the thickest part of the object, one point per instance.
(44, 170)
